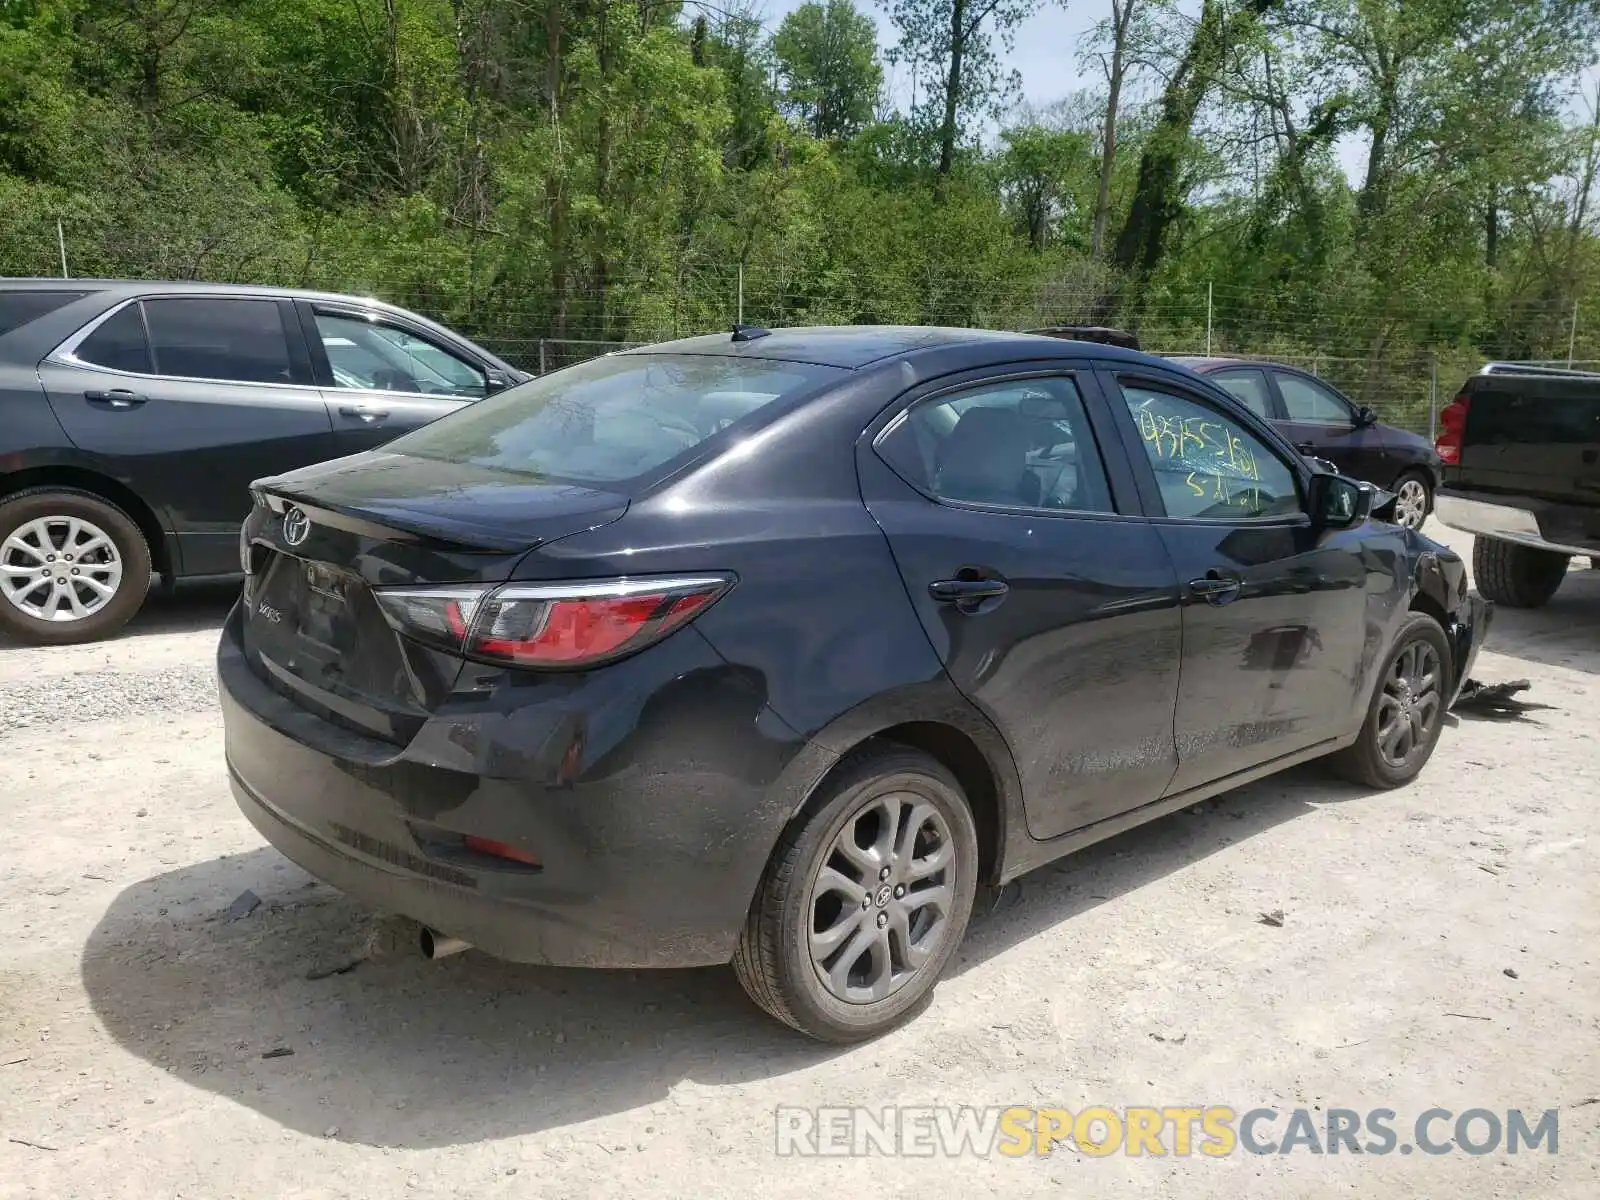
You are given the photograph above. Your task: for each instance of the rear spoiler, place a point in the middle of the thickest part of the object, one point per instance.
(1514, 368)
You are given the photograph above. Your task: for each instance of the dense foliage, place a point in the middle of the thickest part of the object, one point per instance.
(628, 169)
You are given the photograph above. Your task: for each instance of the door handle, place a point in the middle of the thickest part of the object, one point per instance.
(117, 398)
(1306, 447)
(1217, 587)
(369, 415)
(967, 594)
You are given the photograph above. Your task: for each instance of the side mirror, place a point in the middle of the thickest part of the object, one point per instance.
(1339, 503)
(1365, 417)
(495, 381)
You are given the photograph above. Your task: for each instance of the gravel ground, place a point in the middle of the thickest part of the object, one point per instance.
(1437, 947)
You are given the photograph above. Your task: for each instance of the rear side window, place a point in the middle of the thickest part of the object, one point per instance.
(118, 343)
(215, 337)
(612, 419)
(18, 308)
(1249, 388)
(1020, 443)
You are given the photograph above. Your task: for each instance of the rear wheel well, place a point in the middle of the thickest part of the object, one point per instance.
(106, 488)
(959, 755)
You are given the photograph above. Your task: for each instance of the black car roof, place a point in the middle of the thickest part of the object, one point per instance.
(854, 346)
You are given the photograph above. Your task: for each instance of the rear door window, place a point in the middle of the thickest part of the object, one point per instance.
(1019, 443)
(219, 337)
(612, 419)
(18, 308)
(1249, 387)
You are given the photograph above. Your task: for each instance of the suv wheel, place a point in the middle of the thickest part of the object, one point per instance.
(864, 901)
(73, 567)
(1407, 711)
(1516, 576)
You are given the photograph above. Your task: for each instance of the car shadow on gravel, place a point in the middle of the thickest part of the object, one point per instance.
(189, 610)
(1564, 633)
(405, 1053)
(200, 606)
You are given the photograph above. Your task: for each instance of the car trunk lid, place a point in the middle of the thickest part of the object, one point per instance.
(319, 541)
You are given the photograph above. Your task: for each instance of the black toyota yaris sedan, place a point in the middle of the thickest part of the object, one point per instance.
(774, 648)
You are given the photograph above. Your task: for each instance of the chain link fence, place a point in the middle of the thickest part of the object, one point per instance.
(539, 329)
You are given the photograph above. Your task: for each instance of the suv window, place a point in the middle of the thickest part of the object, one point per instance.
(1312, 402)
(613, 419)
(1018, 443)
(214, 337)
(1249, 387)
(377, 356)
(118, 343)
(1207, 464)
(18, 308)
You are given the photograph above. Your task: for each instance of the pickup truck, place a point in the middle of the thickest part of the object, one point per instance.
(1520, 448)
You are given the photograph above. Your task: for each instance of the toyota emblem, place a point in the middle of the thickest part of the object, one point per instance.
(296, 526)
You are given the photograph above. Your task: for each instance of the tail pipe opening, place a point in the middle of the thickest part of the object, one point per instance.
(436, 945)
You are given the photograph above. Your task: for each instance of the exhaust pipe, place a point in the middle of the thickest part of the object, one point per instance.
(437, 945)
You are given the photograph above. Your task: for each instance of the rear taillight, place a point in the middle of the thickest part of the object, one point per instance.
(483, 845)
(1452, 425)
(553, 625)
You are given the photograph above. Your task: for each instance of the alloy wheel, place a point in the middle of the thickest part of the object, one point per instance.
(1411, 504)
(1410, 704)
(59, 568)
(881, 903)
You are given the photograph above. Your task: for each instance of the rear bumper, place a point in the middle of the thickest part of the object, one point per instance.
(651, 835)
(1541, 526)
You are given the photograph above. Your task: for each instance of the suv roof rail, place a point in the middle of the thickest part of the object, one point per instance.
(1516, 368)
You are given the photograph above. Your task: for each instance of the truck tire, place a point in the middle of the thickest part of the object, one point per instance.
(1516, 576)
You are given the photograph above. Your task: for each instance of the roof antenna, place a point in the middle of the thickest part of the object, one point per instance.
(748, 333)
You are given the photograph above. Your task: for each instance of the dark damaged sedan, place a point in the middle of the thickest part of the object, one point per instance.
(774, 648)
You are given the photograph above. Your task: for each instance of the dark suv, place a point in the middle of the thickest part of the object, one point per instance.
(133, 417)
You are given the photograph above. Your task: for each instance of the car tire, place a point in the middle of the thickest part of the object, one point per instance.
(1516, 576)
(1413, 494)
(119, 559)
(870, 924)
(1374, 759)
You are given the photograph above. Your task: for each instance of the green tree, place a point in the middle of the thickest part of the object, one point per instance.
(1038, 169)
(949, 45)
(827, 58)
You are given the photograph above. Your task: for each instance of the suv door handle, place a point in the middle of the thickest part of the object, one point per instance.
(1306, 447)
(967, 594)
(118, 398)
(369, 415)
(1217, 587)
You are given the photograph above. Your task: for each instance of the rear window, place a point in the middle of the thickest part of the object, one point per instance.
(612, 419)
(18, 308)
